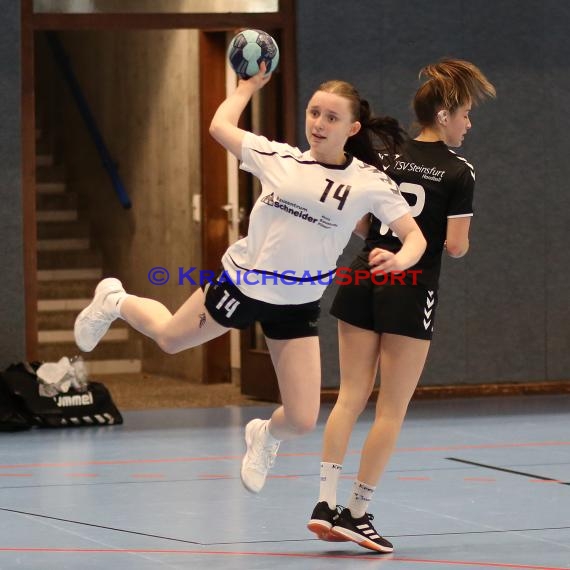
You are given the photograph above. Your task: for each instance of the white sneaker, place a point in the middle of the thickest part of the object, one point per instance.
(259, 456)
(94, 321)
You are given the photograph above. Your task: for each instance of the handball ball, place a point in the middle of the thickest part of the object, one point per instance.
(248, 49)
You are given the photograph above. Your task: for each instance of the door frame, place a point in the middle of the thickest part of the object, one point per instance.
(216, 355)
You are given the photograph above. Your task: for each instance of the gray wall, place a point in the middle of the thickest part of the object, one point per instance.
(504, 311)
(12, 325)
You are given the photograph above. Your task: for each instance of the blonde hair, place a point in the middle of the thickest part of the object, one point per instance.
(450, 84)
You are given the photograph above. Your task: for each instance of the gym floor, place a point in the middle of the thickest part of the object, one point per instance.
(474, 483)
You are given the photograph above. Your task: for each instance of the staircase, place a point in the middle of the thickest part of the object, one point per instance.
(69, 268)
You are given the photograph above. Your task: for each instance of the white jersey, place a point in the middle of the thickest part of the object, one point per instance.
(302, 220)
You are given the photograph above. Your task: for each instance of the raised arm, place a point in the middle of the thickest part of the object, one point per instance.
(225, 120)
(413, 247)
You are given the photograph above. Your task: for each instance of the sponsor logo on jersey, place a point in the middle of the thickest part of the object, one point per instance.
(288, 207)
(426, 172)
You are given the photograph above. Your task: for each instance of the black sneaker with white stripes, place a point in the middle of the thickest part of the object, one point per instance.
(360, 531)
(322, 520)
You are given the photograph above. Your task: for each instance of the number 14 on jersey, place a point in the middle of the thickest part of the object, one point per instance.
(340, 193)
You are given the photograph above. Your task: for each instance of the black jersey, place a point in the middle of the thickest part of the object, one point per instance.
(438, 184)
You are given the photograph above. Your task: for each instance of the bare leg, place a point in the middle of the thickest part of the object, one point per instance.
(298, 366)
(297, 363)
(358, 352)
(402, 360)
(190, 326)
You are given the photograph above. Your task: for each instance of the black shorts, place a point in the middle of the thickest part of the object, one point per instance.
(407, 310)
(230, 308)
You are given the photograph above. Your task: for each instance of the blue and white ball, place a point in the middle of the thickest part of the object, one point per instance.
(248, 49)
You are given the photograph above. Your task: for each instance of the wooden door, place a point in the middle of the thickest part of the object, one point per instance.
(268, 116)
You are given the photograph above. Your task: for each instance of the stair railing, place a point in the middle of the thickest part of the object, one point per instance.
(108, 163)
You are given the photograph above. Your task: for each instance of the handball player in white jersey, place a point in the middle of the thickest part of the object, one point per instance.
(389, 326)
(310, 203)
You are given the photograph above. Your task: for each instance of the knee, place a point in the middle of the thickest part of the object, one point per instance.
(304, 428)
(167, 343)
(303, 425)
(394, 414)
(352, 404)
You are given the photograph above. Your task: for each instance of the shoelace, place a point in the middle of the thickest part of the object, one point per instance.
(338, 509)
(97, 321)
(264, 457)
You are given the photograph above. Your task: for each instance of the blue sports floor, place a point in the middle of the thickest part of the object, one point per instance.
(474, 483)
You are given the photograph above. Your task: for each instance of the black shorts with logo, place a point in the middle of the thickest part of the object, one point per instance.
(407, 310)
(230, 308)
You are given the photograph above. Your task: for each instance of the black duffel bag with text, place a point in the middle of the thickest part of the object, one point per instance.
(21, 402)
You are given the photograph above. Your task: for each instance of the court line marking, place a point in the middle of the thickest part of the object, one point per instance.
(307, 454)
(104, 527)
(152, 478)
(506, 470)
(198, 543)
(376, 557)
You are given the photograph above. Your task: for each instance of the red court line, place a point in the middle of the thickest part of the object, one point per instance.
(376, 557)
(446, 448)
(82, 475)
(214, 476)
(486, 446)
(123, 462)
(308, 454)
(283, 476)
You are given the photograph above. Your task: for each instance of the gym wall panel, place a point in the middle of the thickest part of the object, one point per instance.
(556, 230)
(506, 325)
(504, 308)
(12, 306)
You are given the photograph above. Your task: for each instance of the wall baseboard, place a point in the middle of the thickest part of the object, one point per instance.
(473, 390)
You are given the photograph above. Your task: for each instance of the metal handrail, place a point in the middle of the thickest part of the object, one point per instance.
(108, 163)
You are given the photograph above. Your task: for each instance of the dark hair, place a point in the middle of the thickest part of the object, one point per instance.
(376, 133)
(450, 83)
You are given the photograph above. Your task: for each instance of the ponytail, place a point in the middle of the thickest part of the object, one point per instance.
(449, 84)
(377, 134)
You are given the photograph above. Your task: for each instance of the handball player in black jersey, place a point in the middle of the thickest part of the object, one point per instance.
(389, 326)
(309, 205)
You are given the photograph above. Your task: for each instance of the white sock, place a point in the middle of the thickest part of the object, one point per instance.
(269, 439)
(113, 302)
(360, 499)
(330, 473)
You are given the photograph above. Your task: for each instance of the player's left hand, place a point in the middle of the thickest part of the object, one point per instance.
(383, 260)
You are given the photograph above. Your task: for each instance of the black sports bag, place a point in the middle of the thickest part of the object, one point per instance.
(21, 398)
